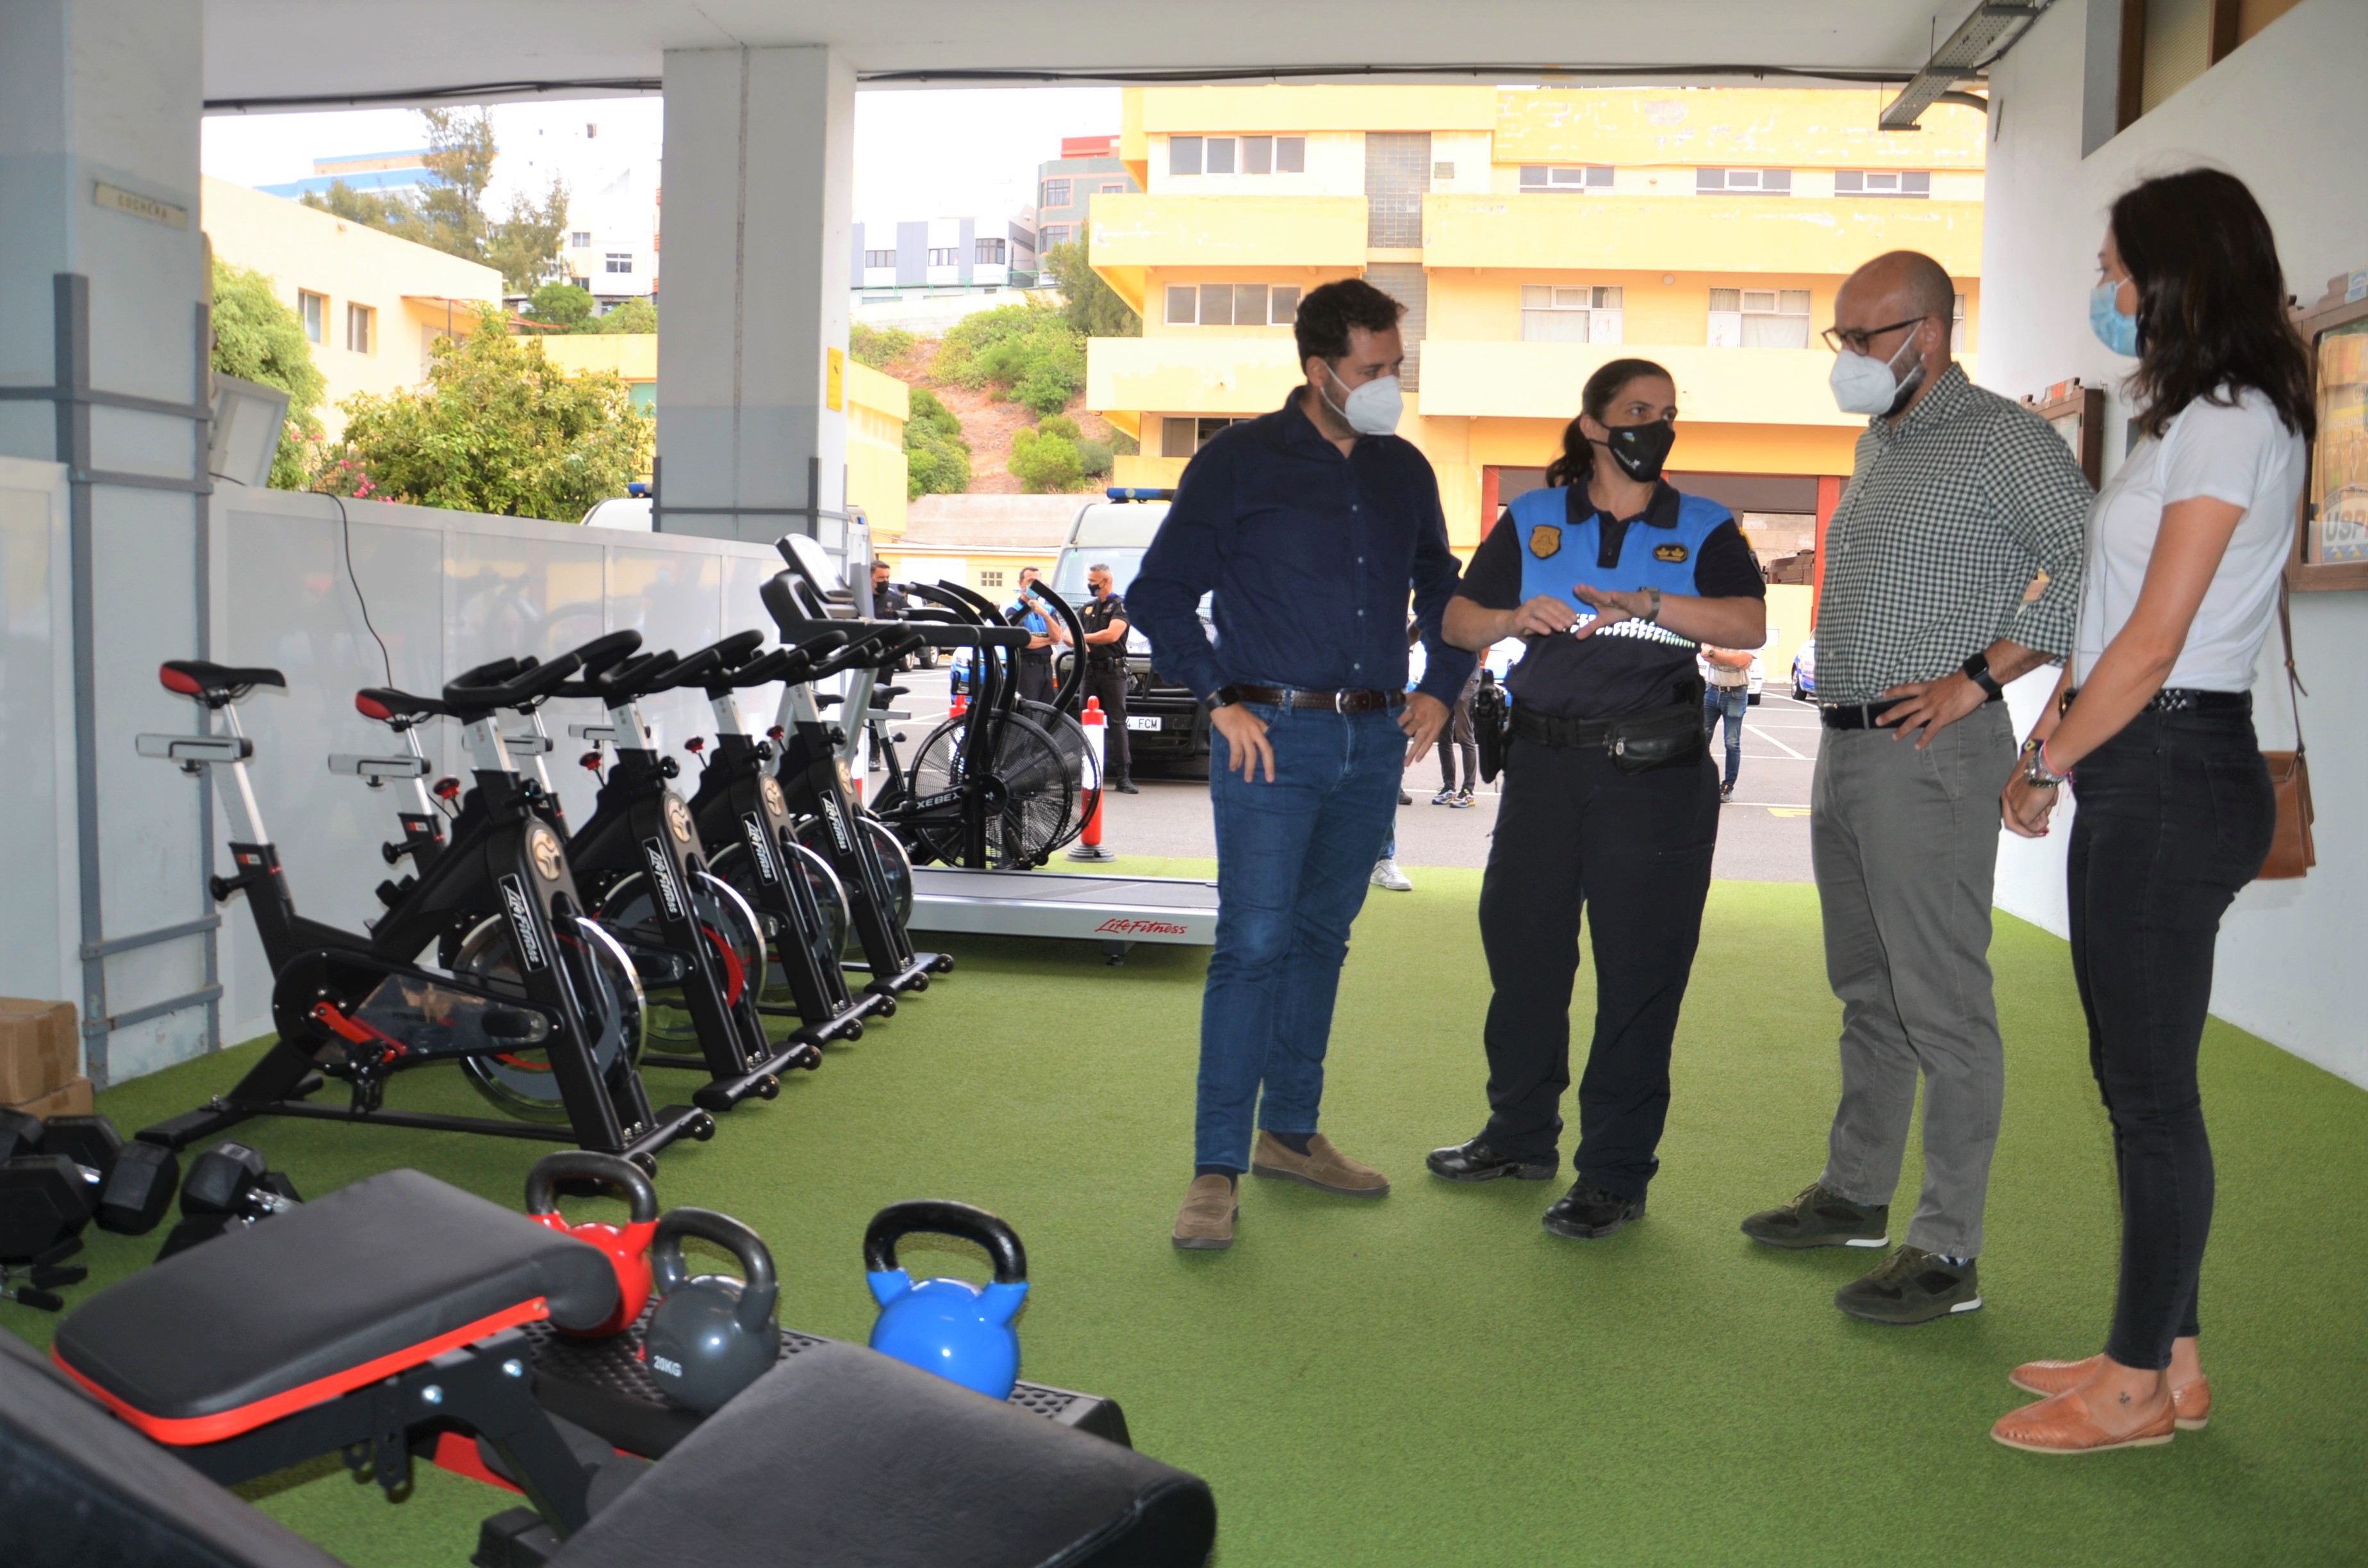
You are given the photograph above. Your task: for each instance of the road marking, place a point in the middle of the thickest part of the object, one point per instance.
(1788, 811)
(1771, 740)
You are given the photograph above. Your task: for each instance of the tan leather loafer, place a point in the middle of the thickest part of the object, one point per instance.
(2064, 1424)
(1322, 1167)
(2190, 1403)
(1205, 1224)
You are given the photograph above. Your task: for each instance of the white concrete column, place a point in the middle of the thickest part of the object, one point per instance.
(759, 216)
(100, 108)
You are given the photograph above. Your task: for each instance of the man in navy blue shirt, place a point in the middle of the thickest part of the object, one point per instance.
(1309, 526)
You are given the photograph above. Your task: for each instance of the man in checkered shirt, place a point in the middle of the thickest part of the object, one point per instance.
(1959, 503)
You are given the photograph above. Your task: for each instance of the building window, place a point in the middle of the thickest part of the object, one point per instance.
(1759, 318)
(949, 255)
(879, 258)
(989, 253)
(1113, 187)
(1057, 193)
(1180, 438)
(1571, 313)
(1232, 304)
(362, 335)
(619, 261)
(1883, 182)
(1957, 325)
(1570, 177)
(314, 309)
(1055, 235)
(579, 239)
(1752, 182)
(1229, 154)
(988, 579)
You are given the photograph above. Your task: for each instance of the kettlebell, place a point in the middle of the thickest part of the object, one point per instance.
(951, 1327)
(711, 1336)
(627, 1246)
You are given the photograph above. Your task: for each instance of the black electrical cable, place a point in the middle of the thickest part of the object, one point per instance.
(345, 521)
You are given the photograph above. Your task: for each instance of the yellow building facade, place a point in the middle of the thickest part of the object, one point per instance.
(877, 407)
(1533, 235)
(372, 306)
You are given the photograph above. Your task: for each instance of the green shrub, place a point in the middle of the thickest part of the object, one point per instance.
(1045, 463)
(563, 305)
(636, 314)
(876, 345)
(1029, 353)
(1095, 458)
(937, 459)
(1058, 425)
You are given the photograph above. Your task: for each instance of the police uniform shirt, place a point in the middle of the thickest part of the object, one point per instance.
(1548, 541)
(1097, 615)
(1017, 613)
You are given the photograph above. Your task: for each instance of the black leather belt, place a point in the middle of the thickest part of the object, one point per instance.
(1863, 715)
(1324, 701)
(2188, 699)
(1545, 730)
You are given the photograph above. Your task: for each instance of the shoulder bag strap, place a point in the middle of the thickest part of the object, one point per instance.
(2295, 690)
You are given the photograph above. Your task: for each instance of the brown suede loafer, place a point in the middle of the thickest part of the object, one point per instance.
(1322, 1167)
(2190, 1403)
(1205, 1224)
(2064, 1424)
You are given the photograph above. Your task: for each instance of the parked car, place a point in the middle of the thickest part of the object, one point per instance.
(1805, 670)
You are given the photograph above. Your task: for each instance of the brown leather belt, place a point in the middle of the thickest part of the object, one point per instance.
(1324, 701)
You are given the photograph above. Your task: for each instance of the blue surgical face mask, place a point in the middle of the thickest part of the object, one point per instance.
(2114, 330)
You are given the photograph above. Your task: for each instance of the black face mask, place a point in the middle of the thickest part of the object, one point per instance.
(1641, 450)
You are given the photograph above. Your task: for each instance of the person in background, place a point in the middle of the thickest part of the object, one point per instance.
(2153, 729)
(1045, 632)
(1727, 693)
(1610, 803)
(888, 600)
(1104, 617)
(1959, 501)
(1460, 741)
(1308, 526)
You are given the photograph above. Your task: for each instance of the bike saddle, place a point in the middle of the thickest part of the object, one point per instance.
(399, 710)
(216, 685)
(505, 683)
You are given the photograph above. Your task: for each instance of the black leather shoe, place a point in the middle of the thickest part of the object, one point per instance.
(1589, 1213)
(1477, 1162)
(1126, 786)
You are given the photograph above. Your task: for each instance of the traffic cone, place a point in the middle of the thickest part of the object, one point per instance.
(961, 706)
(1089, 842)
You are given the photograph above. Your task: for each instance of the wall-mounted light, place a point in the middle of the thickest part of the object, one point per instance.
(246, 424)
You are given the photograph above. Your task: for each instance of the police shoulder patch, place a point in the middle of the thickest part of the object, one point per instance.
(1544, 539)
(1672, 552)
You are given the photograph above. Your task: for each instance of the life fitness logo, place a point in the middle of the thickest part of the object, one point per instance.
(662, 877)
(1122, 928)
(838, 825)
(754, 831)
(520, 910)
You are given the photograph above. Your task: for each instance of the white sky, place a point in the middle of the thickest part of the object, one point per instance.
(917, 153)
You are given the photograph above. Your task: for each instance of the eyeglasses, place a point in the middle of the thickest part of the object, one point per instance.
(1840, 337)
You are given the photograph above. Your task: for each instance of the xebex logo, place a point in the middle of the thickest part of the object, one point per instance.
(754, 831)
(662, 877)
(521, 913)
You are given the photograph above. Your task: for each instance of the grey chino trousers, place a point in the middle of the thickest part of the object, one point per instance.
(1905, 843)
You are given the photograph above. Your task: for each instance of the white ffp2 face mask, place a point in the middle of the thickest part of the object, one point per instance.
(1863, 384)
(1372, 409)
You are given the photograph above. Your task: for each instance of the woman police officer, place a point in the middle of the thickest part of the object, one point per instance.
(1610, 578)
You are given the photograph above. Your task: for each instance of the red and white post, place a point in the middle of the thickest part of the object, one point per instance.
(1089, 842)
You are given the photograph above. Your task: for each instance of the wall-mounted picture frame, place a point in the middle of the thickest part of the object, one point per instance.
(2330, 550)
(2077, 414)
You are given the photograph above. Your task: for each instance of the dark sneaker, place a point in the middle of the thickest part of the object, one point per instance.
(1818, 1217)
(1587, 1213)
(1912, 1286)
(1477, 1161)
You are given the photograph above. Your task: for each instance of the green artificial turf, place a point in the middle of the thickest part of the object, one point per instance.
(1432, 1377)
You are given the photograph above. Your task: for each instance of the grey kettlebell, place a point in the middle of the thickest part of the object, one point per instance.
(710, 1335)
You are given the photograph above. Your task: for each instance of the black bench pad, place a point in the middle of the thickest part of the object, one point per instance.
(374, 1278)
(841, 1458)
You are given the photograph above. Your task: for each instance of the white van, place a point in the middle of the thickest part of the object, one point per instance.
(1167, 726)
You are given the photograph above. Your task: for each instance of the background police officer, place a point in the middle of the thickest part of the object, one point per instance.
(1612, 578)
(1105, 651)
(1036, 659)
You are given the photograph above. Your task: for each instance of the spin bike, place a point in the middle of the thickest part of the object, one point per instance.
(545, 1018)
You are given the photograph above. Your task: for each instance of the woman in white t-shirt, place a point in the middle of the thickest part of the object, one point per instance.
(2185, 550)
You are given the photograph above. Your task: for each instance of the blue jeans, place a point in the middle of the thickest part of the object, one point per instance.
(1295, 859)
(1733, 702)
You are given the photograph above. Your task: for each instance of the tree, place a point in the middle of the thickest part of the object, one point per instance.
(448, 212)
(563, 305)
(524, 244)
(1045, 460)
(389, 214)
(639, 314)
(498, 428)
(937, 459)
(461, 155)
(1090, 304)
(876, 345)
(258, 338)
(1028, 353)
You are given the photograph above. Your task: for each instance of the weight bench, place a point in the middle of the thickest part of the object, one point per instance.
(387, 1320)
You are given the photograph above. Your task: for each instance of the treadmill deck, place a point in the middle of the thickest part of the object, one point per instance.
(1114, 911)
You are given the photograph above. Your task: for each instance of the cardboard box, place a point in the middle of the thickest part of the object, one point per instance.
(41, 1049)
(71, 1098)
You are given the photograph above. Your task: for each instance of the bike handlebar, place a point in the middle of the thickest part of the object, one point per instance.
(723, 655)
(505, 683)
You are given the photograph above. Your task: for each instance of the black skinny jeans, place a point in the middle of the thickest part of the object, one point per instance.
(2175, 814)
(1635, 848)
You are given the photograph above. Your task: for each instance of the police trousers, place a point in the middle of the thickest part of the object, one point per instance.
(1634, 851)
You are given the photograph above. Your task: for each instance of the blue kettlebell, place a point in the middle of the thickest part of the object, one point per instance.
(951, 1327)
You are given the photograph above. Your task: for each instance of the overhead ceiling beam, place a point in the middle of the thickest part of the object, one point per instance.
(1992, 29)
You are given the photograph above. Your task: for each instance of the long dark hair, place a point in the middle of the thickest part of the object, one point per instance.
(1595, 400)
(2211, 300)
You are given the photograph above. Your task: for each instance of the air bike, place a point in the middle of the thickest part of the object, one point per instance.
(542, 1008)
(992, 794)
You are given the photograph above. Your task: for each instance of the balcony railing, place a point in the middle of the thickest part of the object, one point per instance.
(1190, 375)
(1727, 386)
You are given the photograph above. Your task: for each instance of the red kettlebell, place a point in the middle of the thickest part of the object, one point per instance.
(627, 1245)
